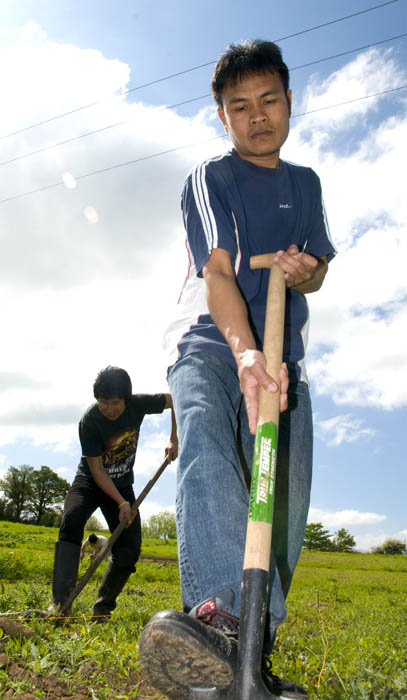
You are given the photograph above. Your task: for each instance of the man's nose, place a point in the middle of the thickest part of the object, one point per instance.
(257, 116)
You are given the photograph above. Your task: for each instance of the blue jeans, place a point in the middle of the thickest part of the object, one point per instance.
(215, 458)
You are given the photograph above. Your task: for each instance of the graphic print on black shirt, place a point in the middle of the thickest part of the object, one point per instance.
(120, 452)
(116, 441)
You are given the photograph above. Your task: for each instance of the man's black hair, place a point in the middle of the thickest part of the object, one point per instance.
(251, 57)
(112, 382)
(93, 538)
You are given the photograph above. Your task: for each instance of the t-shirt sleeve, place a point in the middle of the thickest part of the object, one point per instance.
(90, 438)
(208, 222)
(319, 242)
(149, 403)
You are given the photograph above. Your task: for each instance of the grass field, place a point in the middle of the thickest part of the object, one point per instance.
(345, 636)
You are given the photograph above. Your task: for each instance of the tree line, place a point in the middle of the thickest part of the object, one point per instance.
(37, 495)
(318, 538)
(32, 495)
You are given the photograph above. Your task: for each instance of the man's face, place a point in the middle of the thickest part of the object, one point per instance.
(256, 114)
(111, 408)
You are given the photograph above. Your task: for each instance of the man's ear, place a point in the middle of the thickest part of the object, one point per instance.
(289, 101)
(222, 117)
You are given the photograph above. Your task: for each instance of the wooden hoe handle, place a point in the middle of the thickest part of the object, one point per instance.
(258, 539)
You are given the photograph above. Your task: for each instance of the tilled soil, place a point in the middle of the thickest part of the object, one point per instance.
(54, 688)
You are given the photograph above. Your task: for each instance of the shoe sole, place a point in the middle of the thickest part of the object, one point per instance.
(177, 653)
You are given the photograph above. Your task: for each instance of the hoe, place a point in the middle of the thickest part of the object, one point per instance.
(248, 683)
(112, 539)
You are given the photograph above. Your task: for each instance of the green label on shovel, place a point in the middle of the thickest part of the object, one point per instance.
(264, 472)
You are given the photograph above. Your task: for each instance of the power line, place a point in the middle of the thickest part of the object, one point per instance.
(179, 104)
(189, 70)
(345, 53)
(347, 102)
(96, 131)
(179, 148)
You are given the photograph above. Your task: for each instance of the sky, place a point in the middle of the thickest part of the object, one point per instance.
(105, 108)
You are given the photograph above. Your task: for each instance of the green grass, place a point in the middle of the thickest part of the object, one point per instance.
(345, 636)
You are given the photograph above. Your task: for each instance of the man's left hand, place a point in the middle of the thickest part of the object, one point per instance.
(298, 267)
(171, 450)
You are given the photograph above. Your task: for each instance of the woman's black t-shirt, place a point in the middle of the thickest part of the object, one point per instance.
(116, 440)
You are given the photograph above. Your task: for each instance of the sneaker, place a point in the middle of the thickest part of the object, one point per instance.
(285, 690)
(178, 652)
(215, 612)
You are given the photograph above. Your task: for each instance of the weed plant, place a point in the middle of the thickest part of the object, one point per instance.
(345, 637)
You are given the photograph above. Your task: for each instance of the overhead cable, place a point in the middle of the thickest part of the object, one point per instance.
(179, 104)
(189, 70)
(179, 148)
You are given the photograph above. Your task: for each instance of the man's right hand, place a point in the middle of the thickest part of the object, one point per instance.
(251, 365)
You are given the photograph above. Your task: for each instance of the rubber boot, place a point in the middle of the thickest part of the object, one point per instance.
(66, 565)
(112, 584)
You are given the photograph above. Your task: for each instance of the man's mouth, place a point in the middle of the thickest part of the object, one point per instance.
(261, 135)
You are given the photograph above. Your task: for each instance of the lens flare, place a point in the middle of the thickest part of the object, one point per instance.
(91, 214)
(69, 181)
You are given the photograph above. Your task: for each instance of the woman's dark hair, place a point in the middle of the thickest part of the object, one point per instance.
(93, 538)
(248, 58)
(111, 382)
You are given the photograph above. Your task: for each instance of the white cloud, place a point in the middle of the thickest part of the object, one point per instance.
(358, 344)
(54, 438)
(344, 428)
(343, 518)
(149, 508)
(63, 472)
(366, 541)
(368, 366)
(149, 460)
(367, 74)
(90, 275)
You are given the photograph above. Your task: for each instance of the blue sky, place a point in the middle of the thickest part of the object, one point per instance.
(91, 269)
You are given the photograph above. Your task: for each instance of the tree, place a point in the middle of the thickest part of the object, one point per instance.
(47, 490)
(161, 525)
(52, 518)
(317, 538)
(94, 524)
(391, 546)
(6, 510)
(16, 486)
(343, 541)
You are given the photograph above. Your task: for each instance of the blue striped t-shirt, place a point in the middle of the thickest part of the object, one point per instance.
(230, 203)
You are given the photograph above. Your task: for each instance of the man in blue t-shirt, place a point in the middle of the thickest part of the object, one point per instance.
(243, 203)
